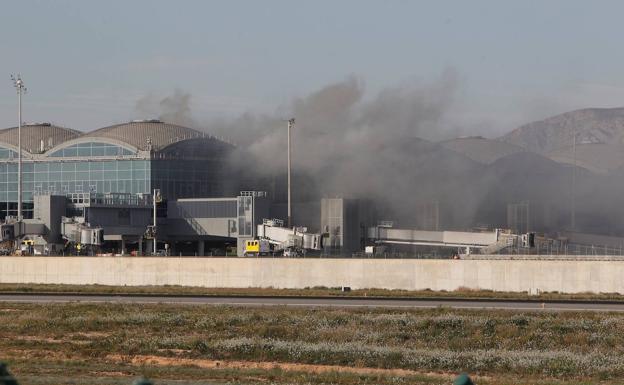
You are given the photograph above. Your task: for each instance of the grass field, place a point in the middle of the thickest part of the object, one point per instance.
(314, 291)
(114, 343)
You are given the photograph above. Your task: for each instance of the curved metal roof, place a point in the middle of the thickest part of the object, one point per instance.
(140, 133)
(34, 134)
(207, 147)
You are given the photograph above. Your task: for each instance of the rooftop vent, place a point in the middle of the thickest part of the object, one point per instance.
(147, 121)
(45, 124)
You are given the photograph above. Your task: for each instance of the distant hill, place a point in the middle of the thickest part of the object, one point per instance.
(600, 158)
(509, 173)
(599, 138)
(592, 125)
(482, 150)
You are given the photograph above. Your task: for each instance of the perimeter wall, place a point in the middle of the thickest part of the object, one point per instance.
(409, 274)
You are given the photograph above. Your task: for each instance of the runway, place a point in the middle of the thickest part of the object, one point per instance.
(338, 302)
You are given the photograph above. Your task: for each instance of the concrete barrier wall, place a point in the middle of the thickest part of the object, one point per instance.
(409, 274)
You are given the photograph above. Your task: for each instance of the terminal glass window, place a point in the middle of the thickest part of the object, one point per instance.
(178, 178)
(102, 176)
(107, 168)
(245, 216)
(6, 153)
(91, 149)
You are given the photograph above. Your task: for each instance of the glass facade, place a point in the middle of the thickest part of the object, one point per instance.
(63, 177)
(109, 168)
(5, 153)
(90, 149)
(245, 216)
(183, 178)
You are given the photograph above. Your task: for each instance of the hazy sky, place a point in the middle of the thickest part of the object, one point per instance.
(86, 63)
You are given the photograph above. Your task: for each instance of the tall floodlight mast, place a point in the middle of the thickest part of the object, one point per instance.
(291, 124)
(19, 86)
(573, 211)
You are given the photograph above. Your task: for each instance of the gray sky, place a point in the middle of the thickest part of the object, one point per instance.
(86, 63)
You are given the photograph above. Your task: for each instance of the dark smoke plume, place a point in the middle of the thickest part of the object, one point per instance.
(382, 149)
(344, 144)
(175, 108)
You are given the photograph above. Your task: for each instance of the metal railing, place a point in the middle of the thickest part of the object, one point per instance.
(110, 199)
(258, 194)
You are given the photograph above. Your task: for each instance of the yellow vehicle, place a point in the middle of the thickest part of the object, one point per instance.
(256, 247)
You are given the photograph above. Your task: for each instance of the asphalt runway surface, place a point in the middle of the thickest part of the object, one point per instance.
(339, 302)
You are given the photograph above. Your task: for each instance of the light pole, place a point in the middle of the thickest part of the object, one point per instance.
(573, 213)
(291, 124)
(19, 86)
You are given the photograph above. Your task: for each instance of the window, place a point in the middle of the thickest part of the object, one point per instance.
(5, 153)
(91, 149)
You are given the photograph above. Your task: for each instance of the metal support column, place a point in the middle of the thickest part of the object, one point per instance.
(155, 201)
(200, 248)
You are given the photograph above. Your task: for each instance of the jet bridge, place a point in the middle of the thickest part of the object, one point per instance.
(282, 237)
(484, 241)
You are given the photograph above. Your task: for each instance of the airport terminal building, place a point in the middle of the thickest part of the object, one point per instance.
(76, 185)
(94, 189)
(134, 157)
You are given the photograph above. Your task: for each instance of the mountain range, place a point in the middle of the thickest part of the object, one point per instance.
(536, 163)
(473, 182)
(599, 144)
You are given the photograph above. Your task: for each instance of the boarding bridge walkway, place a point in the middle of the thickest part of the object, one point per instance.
(484, 241)
(273, 231)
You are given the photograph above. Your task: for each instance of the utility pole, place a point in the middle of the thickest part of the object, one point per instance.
(291, 124)
(19, 86)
